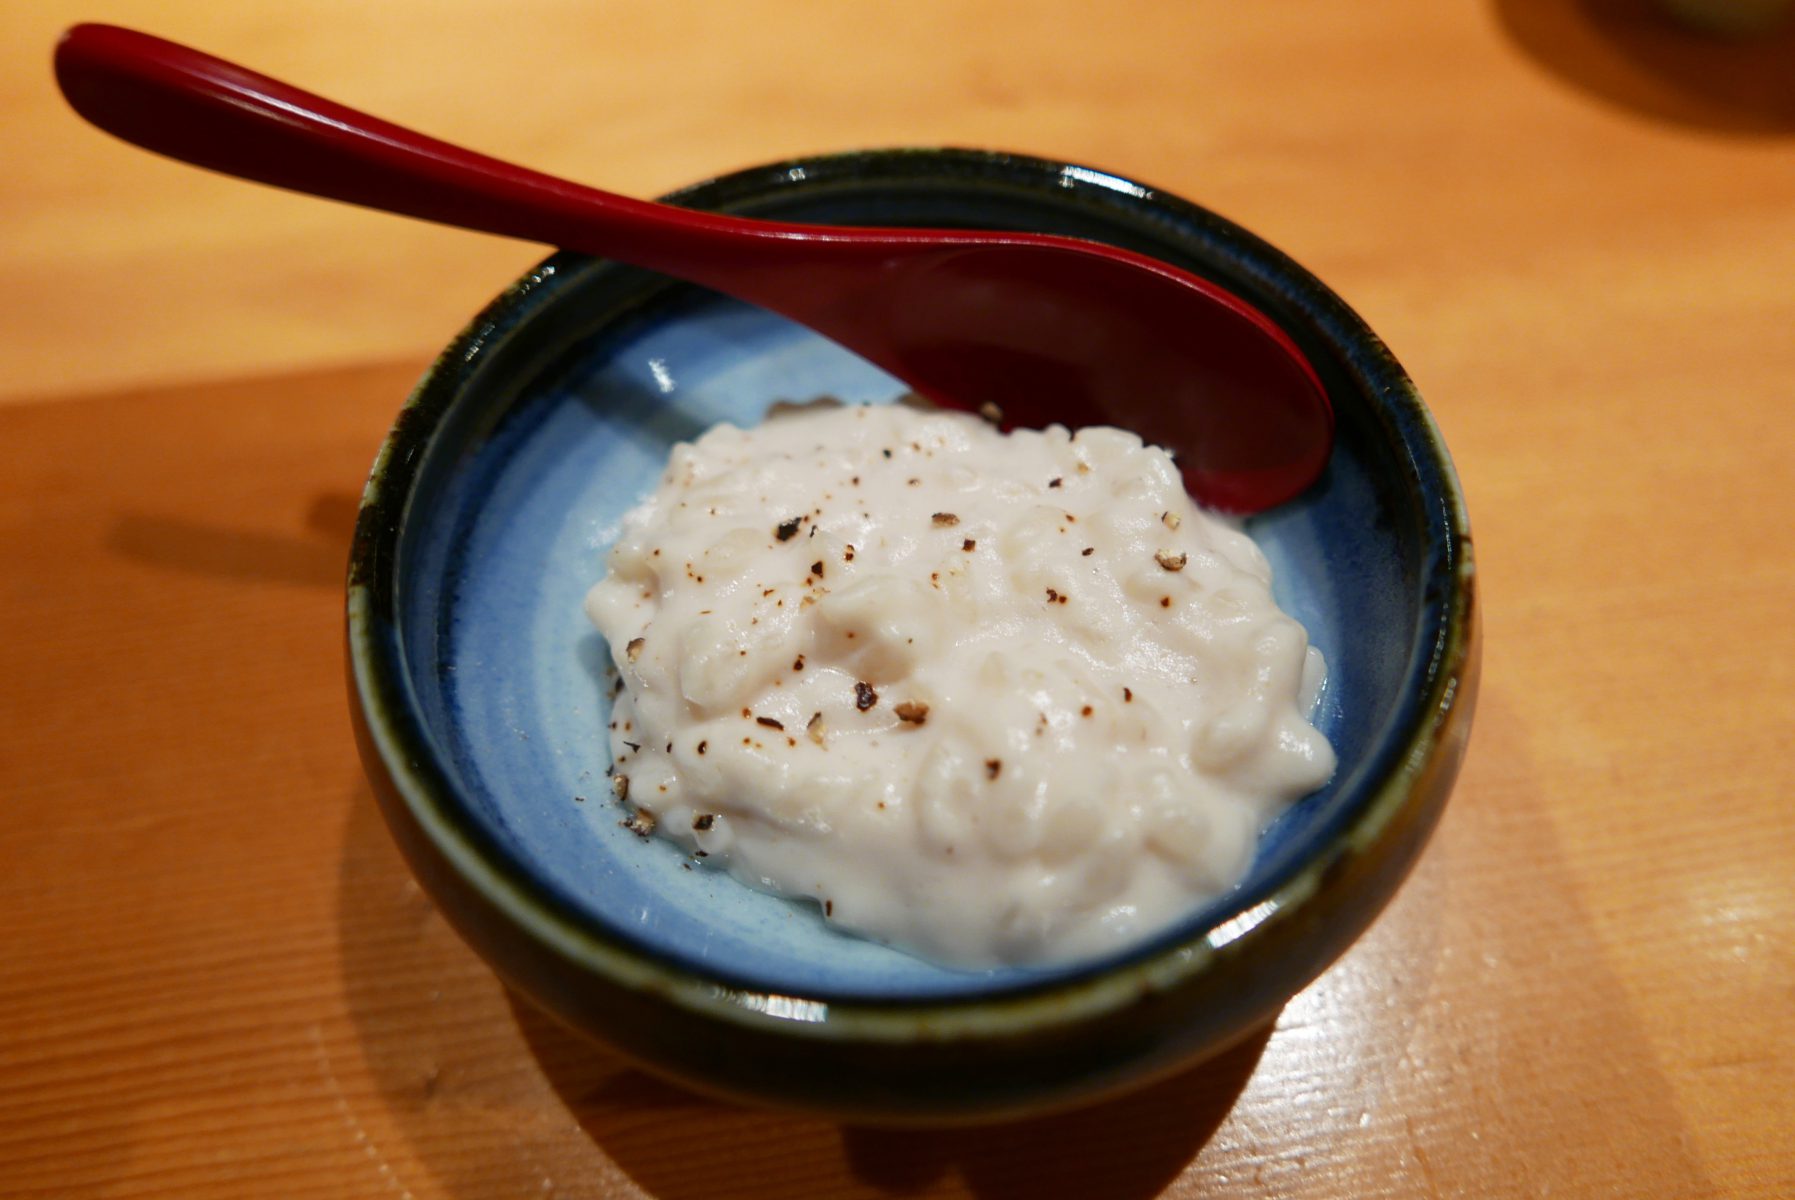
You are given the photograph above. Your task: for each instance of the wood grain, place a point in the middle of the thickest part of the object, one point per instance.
(1573, 225)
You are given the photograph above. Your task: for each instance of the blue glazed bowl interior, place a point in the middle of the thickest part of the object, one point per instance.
(557, 417)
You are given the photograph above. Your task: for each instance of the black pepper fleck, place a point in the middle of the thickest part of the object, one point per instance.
(785, 531)
(913, 712)
(864, 697)
(770, 723)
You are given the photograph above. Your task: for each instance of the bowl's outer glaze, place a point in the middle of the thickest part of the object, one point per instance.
(552, 413)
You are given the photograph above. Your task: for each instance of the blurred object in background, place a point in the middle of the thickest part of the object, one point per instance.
(1725, 66)
(1730, 18)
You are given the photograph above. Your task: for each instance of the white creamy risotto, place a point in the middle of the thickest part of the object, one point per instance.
(988, 698)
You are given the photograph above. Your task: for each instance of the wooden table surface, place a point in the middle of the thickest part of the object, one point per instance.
(1574, 224)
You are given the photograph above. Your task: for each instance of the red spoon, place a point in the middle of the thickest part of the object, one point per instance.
(1047, 328)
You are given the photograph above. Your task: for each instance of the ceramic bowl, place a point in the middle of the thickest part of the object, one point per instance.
(481, 701)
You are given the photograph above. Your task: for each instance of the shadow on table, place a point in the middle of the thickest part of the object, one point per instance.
(1630, 55)
(1121, 1149)
(318, 559)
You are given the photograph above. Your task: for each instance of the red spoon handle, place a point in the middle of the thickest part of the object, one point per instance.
(199, 109)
